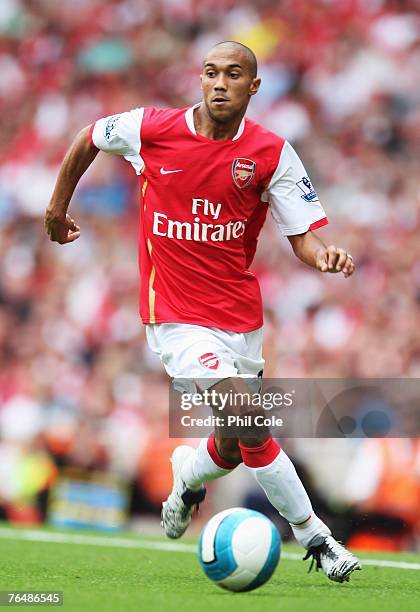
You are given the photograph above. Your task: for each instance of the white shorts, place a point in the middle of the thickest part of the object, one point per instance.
(194, 353)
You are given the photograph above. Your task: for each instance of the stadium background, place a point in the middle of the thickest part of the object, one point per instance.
(78, 387)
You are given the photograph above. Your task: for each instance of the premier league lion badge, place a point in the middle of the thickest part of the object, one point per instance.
(243, 171)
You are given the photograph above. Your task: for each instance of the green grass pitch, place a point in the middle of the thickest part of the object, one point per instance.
(105, 577)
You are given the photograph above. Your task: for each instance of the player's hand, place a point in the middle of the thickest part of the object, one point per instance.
(334, 259)
(61, 229)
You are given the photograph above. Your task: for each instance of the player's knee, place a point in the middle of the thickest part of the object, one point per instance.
(229, 450)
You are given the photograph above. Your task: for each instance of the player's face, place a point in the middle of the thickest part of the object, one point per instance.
(227, 84)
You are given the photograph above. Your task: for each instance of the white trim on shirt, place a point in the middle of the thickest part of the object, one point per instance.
(189, 118)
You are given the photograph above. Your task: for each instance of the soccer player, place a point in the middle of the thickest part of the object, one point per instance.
(207, 179)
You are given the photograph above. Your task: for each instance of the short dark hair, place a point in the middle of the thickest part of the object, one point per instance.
(250, 55)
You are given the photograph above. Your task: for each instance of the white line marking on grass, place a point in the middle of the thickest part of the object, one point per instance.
(383, 563)
(32, 535)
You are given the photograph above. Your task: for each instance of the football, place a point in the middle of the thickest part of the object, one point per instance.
(239, 549)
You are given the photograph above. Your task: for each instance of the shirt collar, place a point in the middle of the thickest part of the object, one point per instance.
(189, 118)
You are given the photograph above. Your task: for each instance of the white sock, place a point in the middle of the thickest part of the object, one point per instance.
(200, 467)
(307, 531)
(287, 494)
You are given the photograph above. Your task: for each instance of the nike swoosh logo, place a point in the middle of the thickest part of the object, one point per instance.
(162, 171)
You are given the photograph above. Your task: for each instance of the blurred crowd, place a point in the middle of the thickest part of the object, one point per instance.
(78, 386)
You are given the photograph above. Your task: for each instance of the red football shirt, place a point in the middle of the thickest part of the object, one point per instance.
(203, 204)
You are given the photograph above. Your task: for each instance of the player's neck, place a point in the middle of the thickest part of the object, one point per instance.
(207, 127)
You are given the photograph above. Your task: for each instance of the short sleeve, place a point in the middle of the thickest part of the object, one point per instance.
(120, 135)
(293, 200)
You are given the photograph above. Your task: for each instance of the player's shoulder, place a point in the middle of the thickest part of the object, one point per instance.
(154, 111)
(159, 115)
(162, 122)
(265, 145)
(263, 135)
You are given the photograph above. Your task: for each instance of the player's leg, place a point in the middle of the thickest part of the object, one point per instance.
(269, 464)
(181, 348)
(210, 461)
(216, 457)
(192, 468)
(277, 476)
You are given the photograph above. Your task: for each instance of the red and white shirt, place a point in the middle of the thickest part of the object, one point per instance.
(203, 204)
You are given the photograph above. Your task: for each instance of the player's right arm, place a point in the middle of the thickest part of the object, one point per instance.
(116, 134)
(59, 225)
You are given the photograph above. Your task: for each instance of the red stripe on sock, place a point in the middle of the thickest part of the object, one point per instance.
(260, 456)
(216, 458)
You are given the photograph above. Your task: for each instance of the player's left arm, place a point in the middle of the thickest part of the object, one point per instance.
(310, 249)
(297, 210)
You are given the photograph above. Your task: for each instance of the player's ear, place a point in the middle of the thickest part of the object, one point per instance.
(201, 80)
(254, 87)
